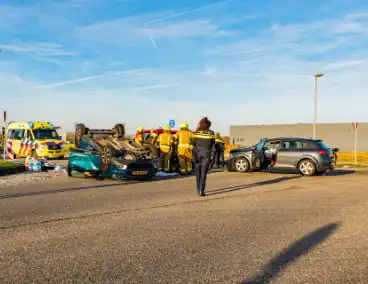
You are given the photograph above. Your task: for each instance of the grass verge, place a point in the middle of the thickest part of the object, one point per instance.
(9, 168)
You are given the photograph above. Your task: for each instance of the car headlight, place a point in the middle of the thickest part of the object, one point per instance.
(42, 147)
(122, 167)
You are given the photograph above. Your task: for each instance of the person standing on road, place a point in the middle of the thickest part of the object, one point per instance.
(219, 151)
(203, 142)
(165, 143)
(183, 139)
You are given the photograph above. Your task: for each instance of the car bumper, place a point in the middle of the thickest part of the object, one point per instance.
(51, 154)
(230, 165)
(327, 165)
(140, 174)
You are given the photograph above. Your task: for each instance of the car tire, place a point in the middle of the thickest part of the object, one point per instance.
(61, 158)
(120, 129)
(80, 130)
(70, 171)
(307, 167)
(242, 165)
(106, 154)
(99, 176)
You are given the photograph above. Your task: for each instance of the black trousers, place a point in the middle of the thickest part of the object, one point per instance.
(164, 164)
(219, 160)
(202, 160)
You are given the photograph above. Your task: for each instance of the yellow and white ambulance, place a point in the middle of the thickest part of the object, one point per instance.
(36, 139)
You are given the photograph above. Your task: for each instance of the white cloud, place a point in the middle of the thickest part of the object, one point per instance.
(41, 49)
(154, 87)
(115, 75)
(131, 31)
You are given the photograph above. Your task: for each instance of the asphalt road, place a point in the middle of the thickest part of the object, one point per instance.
(251, 228)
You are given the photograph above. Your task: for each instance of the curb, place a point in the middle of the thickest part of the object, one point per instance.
(12, 170)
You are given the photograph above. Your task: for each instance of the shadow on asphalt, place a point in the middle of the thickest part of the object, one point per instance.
(336, 173)
(102, 185)
(304, 245)
(246, 186)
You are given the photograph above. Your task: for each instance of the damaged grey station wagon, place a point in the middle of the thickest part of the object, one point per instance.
(306, 156)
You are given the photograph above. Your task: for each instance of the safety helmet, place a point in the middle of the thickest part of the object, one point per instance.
(140, 129)
(167, 128)
(184, 125)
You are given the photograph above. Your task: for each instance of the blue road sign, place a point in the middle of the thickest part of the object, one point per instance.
(172, 123)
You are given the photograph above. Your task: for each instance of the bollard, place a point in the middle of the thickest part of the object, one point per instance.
(9, 150)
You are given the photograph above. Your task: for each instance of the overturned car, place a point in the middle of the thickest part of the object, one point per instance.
(106, 153)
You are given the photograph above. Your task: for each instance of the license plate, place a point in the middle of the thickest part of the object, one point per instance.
(139, 173)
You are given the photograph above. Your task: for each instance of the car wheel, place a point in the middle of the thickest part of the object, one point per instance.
(70, 171)
(106, 155)
(120, 129)
(80, 130)
(307, 167)
(242, 165)
(99, 176)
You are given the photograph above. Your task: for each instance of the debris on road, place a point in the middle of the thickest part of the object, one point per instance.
(163, 174)
(31, 177)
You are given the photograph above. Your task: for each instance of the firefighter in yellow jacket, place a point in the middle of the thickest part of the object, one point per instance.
(219, 150)
(138, 140)
(165, 143)
(183, 139)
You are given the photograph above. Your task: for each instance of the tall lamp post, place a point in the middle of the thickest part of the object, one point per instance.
(316, 76)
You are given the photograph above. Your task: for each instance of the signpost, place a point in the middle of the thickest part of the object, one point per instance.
(355, 128)
(172, 123)
(5, 130)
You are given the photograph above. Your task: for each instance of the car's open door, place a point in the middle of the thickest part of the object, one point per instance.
(258, 155)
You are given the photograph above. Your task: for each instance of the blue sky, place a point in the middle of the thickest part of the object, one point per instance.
(144, 62)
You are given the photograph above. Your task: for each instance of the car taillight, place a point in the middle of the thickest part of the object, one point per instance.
(323, 152)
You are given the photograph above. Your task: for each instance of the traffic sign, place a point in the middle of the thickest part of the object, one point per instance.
(172, 123)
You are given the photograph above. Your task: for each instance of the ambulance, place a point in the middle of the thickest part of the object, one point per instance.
(36, 139)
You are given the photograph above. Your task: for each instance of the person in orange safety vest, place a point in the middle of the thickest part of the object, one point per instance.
(139, 139)
(183, 139)
(165, 143)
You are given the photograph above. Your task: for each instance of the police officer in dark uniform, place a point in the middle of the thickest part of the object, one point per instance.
(203, 142)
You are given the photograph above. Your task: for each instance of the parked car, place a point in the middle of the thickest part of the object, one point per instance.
(106, 153)
(306, 156)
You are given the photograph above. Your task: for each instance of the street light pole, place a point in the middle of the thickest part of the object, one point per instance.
(316, 76)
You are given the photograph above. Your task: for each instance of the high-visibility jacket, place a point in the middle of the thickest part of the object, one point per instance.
(139, 138)
(184, 137)
(165, 141)
(219, 140)
(152, 138)
(203, 139)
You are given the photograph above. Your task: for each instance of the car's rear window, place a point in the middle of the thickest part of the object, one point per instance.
(323, 145)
